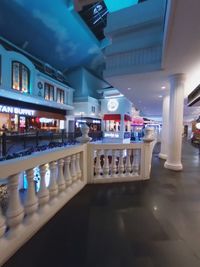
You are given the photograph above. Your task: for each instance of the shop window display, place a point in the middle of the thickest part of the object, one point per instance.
(20, 77)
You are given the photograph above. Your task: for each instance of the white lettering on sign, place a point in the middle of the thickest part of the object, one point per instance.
(13, 110)
(112, 135)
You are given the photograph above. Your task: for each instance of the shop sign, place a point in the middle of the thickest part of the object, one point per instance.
(14, 110)
(112, 135)
(96, 121)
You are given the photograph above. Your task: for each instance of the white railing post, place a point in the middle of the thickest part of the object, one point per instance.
(53, 187)
(60, 179)
(31, 201)
(106, 165)
(67, 173)
(113, 165)
(148, 150)
(121, 163)
(15, 211)
(135, 166)
(98, 169)
(73, 168)
(2, 224)
(78, 169)
(128, 162)
(43, 194)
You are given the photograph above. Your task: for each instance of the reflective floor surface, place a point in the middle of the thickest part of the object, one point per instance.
(155, 223)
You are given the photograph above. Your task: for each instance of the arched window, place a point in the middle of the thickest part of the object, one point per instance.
(20, 77)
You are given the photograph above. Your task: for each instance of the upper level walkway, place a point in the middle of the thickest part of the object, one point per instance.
(141, 224)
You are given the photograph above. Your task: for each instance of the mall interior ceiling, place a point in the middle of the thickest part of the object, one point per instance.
(70, 33)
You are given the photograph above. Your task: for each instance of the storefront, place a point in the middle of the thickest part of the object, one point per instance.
(137, 128)
(17, 119)
(94, 124)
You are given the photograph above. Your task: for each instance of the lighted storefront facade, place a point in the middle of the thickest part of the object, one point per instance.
(22, 119)
(116, 119)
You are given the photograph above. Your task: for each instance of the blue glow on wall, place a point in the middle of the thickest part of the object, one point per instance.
(116, 5)
(37, 178)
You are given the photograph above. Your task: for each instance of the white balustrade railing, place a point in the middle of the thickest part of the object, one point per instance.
(69, 170)
(119, 162)
(26, 212)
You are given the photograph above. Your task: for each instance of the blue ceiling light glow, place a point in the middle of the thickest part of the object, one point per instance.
(116, 5)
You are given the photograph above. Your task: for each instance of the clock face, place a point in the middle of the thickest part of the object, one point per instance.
(112, 105)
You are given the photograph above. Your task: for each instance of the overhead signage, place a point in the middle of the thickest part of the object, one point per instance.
(14, 110)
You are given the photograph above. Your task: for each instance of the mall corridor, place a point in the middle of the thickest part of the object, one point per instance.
(140, 224)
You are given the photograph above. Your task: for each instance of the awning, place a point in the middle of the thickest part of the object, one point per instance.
(137, 121)
(127, 117)
(112, 117)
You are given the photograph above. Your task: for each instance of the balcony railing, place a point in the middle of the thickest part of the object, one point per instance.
(69, 169)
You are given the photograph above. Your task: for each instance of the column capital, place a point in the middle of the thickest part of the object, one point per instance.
(177, 78)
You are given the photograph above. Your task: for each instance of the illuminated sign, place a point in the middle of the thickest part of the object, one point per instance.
(96, 121)
(45, 120)
(112, 135)
(112, 105)
(13, 110)
(198, 125)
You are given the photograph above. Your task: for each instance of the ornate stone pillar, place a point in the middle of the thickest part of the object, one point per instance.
(165, 127)
(176, 122)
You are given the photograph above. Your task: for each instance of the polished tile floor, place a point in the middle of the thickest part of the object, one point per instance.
(155, 223)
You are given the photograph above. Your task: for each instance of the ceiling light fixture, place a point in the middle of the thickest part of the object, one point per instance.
(163, 87)
(160, 96)
(129, 88)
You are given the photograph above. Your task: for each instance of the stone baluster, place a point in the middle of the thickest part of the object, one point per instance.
(78, 169)
(60, 178)
(43, 193)
(98, 169)
(53, 187)
(106, 165)
(121, 163)
(135, 166)
(67, 173)
(114, 165)
(15, 211)
(2, 224)
(31, 201)
(73, 168)
(128, 162)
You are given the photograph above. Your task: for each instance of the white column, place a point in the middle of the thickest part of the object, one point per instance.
(15, 211)
(31, 202)
(176, 122)
(60, 178)
(67, 172)
(43, 194)
(53, 187)
(165, 127)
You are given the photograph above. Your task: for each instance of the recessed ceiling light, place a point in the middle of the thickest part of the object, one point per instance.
(160, 96)
(163, 87)
(129, 88)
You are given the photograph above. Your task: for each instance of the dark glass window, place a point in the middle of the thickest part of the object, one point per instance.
(20, 77)
(48, 92)
(60, 96)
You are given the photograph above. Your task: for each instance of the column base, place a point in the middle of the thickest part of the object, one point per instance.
(174, 167)
(162, 156)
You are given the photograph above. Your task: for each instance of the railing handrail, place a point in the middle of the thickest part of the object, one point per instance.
(117, 146)
(17, 165)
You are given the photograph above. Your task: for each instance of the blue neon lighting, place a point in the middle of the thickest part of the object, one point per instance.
(116, 5)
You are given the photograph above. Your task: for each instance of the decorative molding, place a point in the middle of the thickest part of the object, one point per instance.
(134, 61)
